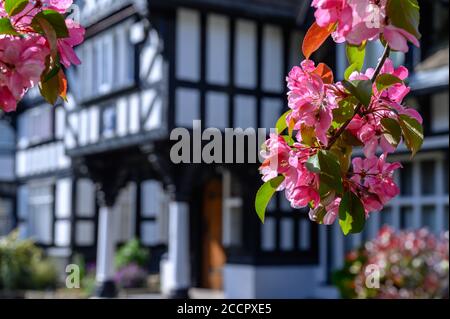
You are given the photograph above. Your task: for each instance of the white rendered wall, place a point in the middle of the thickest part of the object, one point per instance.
(278, 282)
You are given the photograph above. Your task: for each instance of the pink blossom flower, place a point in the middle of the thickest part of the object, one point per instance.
(387, 104)
(367, 21)
(301, 196)
(334, 11)
(7, 101)
(369, 131)
(276, 157)
(300, 185)
(360, 20)
(373, 180)
(21, 63)
(398, 38)
(331, 212)
(58, 5)
(23, 58)
(65, 45)
(308, 100)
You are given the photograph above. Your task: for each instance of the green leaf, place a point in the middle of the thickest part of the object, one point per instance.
(55, 19)
(343, 151)
(351, 139)
(393, 131)
(361, 89)
(13, 7)
(352, 217)
(288, 139)
(385, 81)
(405, 14)
(318, 214)
(50, 89)
(412, 133)
(7, 28)
(265, 194)
(355, 57)
(346, 109)
(282, 122)
(51, 72)
(324, 190)
(351, 68)
(330, 171)
(41, 23)
(312, 164)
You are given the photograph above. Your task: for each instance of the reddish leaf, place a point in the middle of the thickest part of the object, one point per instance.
(62, 85)
(315, 37)
(40, 23)
(325, 73)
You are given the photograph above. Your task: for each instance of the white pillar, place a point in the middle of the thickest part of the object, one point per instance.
(105, 252)
(179, 257)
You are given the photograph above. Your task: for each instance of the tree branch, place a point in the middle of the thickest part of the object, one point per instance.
(341, 130)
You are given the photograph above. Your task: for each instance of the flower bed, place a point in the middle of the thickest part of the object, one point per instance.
(410, 264)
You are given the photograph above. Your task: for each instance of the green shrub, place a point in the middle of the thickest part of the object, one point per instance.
(131, 253)
(87, 274)
(23, 265)
(44, 275)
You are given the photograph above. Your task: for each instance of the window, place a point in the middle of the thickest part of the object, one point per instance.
(406, 181)
(286, 231)
(108, 63)
(230, 70)
(109, 122)
(154, 213)
(35, 126)
(85, 198)
(435, 34)
(188, 38)
(232, 211)
(125, 211)
(424, 194)
(6, 218)
(40, 212)
(439, 112)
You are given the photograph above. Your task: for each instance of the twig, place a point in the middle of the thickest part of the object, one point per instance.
(341, 130)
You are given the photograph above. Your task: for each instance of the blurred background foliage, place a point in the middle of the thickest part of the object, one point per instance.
(23, 266)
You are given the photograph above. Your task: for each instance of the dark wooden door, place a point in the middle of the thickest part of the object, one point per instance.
(214, 257)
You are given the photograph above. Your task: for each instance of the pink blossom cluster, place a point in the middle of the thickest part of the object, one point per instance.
(312, 101)
(413, 264)
(373, 181)
(23, 55)
(300, 185)
(360, 20)
(386, 104)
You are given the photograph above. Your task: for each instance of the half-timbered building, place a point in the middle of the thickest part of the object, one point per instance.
(96, 171)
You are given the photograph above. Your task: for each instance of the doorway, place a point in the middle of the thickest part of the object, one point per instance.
(214, 256)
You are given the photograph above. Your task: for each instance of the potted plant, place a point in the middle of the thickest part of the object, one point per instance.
(131, 275)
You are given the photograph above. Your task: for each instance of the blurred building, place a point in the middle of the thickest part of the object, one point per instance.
(95, 172)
